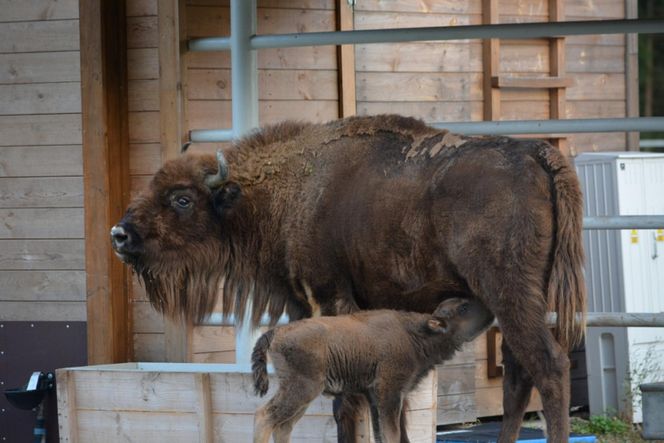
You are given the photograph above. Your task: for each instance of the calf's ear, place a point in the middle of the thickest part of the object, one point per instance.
(437, 326)
(225, 197)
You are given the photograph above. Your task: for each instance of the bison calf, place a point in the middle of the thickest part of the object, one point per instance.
(381, 354)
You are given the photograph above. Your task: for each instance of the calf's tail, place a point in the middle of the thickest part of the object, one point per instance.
(259, 363)
(567, 291)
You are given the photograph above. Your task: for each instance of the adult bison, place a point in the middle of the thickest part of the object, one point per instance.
(375, 212)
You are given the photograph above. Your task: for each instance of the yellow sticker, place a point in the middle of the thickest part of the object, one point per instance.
(634, 236)
(660, 235)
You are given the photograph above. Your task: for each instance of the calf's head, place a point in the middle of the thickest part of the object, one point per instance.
(464, 319)
(173, 234)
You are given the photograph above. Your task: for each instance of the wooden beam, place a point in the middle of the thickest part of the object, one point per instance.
(346, 62)
(172, 92)
(491, 62)
(557, 96)
(503, 81)
(632, 74)
(105, 175)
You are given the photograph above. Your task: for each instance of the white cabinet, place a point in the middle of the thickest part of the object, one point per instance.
(624, 273)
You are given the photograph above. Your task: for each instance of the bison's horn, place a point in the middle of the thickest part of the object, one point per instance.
(216, 180)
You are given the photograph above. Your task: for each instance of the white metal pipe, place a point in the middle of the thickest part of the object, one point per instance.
(624, 222)
(503, 30)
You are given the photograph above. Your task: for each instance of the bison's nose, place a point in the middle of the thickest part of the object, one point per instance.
(120, 237)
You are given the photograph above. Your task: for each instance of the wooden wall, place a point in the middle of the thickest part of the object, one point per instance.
(41, 188)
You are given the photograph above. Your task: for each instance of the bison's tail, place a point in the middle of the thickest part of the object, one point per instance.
(259, 363)
(567, 291)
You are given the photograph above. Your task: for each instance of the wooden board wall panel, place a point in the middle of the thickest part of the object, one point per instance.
(459, 408)
(38, 10)
(142, 32)
(106, 426)
(215, 84)
(143, 64)
(408, 57)
(214, 357)
(63, 66)
(145, 158)
(39, 36)
(144, 127)
(40, 98)
(213, 339)
(589, 58)
(429, 111)
(386, 20)
(438, 6)
(379, 86)
(149, 347)
(39, 161)
(144, 95)
(138, 183)
(593, 86)
(36, 192)
(595, 108)
(42, 286)
(43, 311)
(455, 379)
(309, 57)
(146, 319)
(281, 4)
(41, 255)
(33, 223)
(216, 113)
(50, 129)
(139, 8)
(215, 21)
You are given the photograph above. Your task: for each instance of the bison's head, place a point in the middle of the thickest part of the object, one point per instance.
(464, 319)
(172, 234)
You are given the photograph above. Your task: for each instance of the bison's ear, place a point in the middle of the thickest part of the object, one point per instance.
(437, 326)
(224, 197)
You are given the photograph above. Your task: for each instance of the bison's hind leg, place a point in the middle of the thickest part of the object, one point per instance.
(288, 405)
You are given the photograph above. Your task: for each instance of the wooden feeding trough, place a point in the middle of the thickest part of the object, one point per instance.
(174, 402)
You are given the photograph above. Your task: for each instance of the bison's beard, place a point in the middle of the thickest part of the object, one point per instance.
(183, 285)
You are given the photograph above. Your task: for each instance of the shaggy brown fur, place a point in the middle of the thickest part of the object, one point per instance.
(362, 213)
(380, 354)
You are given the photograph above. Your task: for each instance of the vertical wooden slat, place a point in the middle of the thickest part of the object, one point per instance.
(346, 62)
(205, 417)
(491, 62)
(172, 49)
(105, 174)
(632, 74)
(66, 394)
(557, 96)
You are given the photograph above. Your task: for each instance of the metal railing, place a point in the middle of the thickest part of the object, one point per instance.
(243, 43)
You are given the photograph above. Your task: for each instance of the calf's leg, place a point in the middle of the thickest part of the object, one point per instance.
(347, 408)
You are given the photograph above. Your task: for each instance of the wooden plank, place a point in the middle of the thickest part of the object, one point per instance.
(346, 62)
(31, 130)
(524, 110)
(146, 319)
(529, 57)
(146, 427)
(216, 114)
(144, 127)
(490, 63)
(596, 142)
(149, 347)
(30, 310)
(41, 254)
(591, 58)
(458, 408)
(139, 183)
(39, 36)
(138, 8)
(632, 75)
(145, 158)
(238, 428)
(386, 20)
(42, 286)
(591, 86)
(215, 84)
(213, 357)
(106, 175)
(143, 64)
(428, 111)
(425, 7)
(595, 108)
(144, 95)
(490, 402)
(408, 57)
(44, 98)
(309, 57)
(456, 379)
(63, 66)
(38, 192)
(14, 11)
(142, 32)
(281, 4)
(67, 417)
(213, 339)
(35, 223)
(204, 412)
(379, 86)
(42, 161)
(506, 81)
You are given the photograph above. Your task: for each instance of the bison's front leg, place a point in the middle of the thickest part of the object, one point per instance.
(347, 408)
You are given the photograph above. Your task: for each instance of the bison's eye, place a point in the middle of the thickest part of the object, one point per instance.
(463, 309)
(183, 201)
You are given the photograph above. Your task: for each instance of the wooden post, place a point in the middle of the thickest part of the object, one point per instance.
(172, 50)
(105, 175)
(632, 75)
(491, 62)
(346, 62)
(67, 417)
(557, 96)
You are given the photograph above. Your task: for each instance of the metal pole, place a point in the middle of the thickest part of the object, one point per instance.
(625, 222)
(244, 107)
(439, 33)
